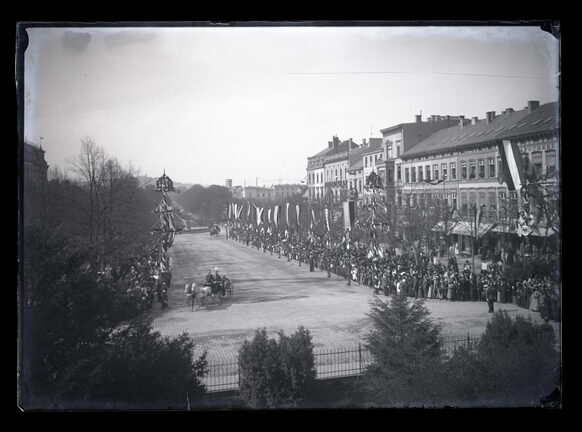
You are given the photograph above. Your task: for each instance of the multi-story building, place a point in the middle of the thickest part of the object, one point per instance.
(356, 180)
(257, 193)
(34, 184)
(373, 160)
(315, 175)
(288, 191)
(327, 171)
(466, 163)
(335, 167)
(402, 137)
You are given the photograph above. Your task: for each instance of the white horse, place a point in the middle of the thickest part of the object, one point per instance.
(196, 295)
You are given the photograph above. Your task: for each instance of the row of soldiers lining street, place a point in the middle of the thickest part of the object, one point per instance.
(389, 273)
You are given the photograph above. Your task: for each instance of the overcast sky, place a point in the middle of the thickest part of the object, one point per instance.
(209, 104)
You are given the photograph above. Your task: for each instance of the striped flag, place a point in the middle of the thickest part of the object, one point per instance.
(269, 215)
(239, 211)
(277, 215)
(327, 218)
(287, 213)
(312, 217)
(298, 212)
(248, 210)
(511, 158)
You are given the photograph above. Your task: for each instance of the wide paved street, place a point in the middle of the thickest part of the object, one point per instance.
(279, 295)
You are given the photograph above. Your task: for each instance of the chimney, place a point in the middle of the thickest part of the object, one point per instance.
(363, 142)
(509, 110)
(461, 121)
(474, 120)
(532, 105)
(433, 118)
(418, 118)
(329, 144)
(490, 116)
(335, 141)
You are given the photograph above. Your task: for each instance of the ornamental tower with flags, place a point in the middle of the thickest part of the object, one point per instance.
(167, 229)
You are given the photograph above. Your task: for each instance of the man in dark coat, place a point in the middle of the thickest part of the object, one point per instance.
(491, 296)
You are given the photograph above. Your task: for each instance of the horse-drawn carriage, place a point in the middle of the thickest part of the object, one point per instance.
(214, 289)
(214, 230)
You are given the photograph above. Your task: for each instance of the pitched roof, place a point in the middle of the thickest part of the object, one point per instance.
(375, 145)
(455, 136)
(546, 118)
(321, 153)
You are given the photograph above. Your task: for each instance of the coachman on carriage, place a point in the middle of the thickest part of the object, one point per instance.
(214, 230)
(214, 289)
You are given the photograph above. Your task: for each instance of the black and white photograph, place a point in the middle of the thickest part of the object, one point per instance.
(306, 215)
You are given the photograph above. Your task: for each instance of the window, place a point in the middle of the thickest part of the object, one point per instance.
(427, 172)
(389, 151)
(413, 175)
(340, 174)
(550, 162)
(464, 203)
(435, 170)
(472, 169)
(444, 170)
(463, 170)
(398, 172)
(453, 170)
(375, 158)
(406, 175)
(414, 200)
(499, 166)
(481, 168)
(399, 198)
(336, 173)
(454, 200)
(366, 161)
(397, 151)
(491, 168)
(526, 164)
(390, 175)
(537, 161)
(492, 202)
(419, 174)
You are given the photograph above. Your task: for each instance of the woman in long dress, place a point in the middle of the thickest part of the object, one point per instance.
(535, 300)
(450, 288)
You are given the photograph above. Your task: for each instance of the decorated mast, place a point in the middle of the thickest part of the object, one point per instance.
(167, 229)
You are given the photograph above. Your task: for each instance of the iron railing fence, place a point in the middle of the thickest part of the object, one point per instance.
(336, 362)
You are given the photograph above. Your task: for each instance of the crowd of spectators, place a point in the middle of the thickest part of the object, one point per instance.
(390, 273)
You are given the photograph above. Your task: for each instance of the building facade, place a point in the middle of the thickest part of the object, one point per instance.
(288, 191)
(257, 193)
(35, 181)
(398, 139)
(462, 166)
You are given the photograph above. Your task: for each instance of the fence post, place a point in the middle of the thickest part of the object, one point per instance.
(360, 356)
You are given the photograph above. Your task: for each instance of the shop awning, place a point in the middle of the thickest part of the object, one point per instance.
(440, 226)
(465, 228)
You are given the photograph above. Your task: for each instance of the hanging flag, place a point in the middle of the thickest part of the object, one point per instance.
(297, 212)
(269, 215)
(277, 215)
(287, 213)
(229, 211)
(258, 215)
(239, 212)
(312, 217)
(511, 158)
(327, 218)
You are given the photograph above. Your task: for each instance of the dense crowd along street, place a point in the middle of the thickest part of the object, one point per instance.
(388, 273)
